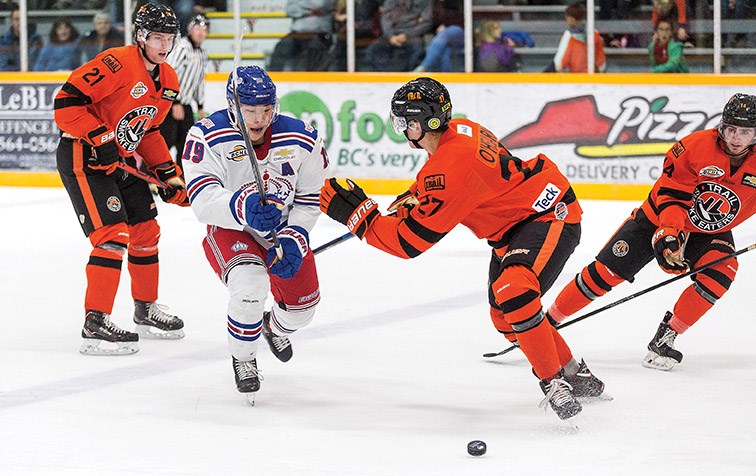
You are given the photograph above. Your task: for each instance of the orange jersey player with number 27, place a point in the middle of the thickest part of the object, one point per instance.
(526, 209)
(108, 110)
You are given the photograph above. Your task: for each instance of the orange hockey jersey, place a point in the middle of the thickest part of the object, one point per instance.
(471, 179)
(697, 191)
(115, 90)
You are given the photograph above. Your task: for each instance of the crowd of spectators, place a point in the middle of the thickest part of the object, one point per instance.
(397, 35)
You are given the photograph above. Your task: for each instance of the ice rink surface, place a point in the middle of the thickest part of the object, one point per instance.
(389, 379)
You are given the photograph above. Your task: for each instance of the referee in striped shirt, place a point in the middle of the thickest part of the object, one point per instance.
(189, 59)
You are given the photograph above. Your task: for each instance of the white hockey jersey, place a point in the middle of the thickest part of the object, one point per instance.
(216, 165)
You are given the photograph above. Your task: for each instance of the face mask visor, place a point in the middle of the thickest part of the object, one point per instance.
(398, 123)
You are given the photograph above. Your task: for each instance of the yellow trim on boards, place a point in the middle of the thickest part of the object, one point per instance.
(14, 178)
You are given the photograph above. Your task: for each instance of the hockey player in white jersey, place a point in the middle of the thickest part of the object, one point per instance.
(224, 194)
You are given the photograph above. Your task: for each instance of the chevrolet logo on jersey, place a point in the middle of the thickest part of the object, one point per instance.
(170, 94)
(749, 180)
(238, 154)
(283, 154)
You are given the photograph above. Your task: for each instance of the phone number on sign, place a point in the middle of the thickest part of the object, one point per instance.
(28, 144)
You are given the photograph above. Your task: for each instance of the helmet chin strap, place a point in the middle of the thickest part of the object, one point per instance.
(415, 142)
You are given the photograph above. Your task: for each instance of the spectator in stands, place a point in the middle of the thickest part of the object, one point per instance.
(308, 46)
(664, 9)
(495, 53)
(403, 24)
(189, 58)
(10, 56)
(665, 52)
(446, 50)
(737, 10)
(572, 53)
(61, 53)
(101, 37)
(367, 27)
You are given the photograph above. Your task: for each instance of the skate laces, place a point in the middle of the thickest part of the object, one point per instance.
(247, 369)
(157, 312)
(108, 324)
(279, 342)
(668, 338)
(559, 391)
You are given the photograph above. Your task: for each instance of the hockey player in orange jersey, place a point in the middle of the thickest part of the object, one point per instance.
(108, 110)
(525, 209)
(707, 187)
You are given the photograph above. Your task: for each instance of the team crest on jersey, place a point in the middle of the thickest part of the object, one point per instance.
(714, 207)
(435, 182)
(712, 171)
(170, 94)
(239, 246)
(678, 149)
(112, 63)
(237, 154)
(620, 248)
(749, 180)
(561, 211)
(114, 203)
(138, 90)
(133, 125)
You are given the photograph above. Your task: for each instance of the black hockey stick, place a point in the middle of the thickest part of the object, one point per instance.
(332, 243)
(639, 293)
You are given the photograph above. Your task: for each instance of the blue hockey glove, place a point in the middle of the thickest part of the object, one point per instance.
(248, 210)
(295, 245)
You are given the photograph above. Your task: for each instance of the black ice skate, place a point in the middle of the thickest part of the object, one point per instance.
(279, 345)
(585, 384)
(661, 351)
(102, 337)
(152, 322)
(247, 377)
(560, 396)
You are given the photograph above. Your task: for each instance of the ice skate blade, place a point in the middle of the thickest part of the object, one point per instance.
(101, 347)
(603, 397)
(249, 398)
(150, 332)
(658, 362)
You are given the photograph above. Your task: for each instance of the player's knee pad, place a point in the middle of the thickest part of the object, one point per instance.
(247, 287)
(144, 238)
(713, 282)
(110, 241)
(519, 296)
(284, 322)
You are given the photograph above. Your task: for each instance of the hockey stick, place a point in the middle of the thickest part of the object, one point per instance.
(639, 293)
(250, 150)
(332, 243)
(142, 175)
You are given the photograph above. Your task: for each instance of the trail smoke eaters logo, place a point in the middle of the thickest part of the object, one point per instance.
(714, 207)
(620, 248)
(133, 125)
(114, 204)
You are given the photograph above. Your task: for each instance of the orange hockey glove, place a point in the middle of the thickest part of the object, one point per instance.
(169, 173)
(105, 156)
(669, 245)
(349, 207)
(403, 204)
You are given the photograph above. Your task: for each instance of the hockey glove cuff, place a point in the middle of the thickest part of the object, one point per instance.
(294, 242)
(170, 174)
(403, 204)
(669, 245)
(349, 207)
(247, 209)
(105, 156)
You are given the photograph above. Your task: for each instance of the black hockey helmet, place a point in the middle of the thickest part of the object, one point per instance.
(424, 100)
(740, 111)
(156, 18)
(200, 20)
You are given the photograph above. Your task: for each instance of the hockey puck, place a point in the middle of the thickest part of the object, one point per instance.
(476, 448)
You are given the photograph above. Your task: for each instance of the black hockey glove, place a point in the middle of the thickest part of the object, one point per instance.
(169, 173)
(105, 156)
(403, 203)
(349, 207)
(669, 243)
